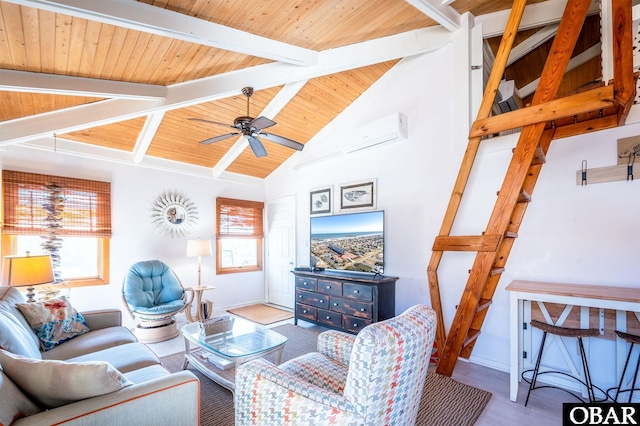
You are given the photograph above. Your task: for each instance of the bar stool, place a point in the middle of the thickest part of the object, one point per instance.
(633, 339)
(578, 333)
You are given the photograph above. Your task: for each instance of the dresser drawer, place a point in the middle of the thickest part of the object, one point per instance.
(307, 283)
(354, 324)
(307, 312)
(330, 287)
(312, 299)
(330, 318)
(351, 307)
(357, 291)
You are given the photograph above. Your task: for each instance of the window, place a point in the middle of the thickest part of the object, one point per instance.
(239, 234)
(85, 227)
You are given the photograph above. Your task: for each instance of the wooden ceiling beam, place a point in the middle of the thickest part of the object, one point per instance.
(139, 16)
(146, 135)
(535, 15)
(33, 82)
(220, 86)
(531, 43)
(575, 62)
(440, 12)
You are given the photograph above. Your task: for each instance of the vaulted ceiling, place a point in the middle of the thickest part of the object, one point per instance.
(120, 79)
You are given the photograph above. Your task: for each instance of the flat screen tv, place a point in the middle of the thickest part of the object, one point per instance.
(351, 242)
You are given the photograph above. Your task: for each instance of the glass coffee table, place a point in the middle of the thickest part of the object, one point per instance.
(228, 343)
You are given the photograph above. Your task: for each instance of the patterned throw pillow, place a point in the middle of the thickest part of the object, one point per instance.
(54, 321)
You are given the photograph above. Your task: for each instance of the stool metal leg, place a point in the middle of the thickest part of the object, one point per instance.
(536, 368)
(587, 374)
(624, 372)
(635, 375)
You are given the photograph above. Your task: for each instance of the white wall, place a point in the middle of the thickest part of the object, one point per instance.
(409, 173)
(570, 233)
(133, 190)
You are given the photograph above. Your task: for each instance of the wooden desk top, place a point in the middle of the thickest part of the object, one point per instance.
(623, 294)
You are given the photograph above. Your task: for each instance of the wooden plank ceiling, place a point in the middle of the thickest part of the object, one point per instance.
(44, 38)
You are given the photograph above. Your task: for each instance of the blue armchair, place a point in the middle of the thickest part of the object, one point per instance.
(153, 294)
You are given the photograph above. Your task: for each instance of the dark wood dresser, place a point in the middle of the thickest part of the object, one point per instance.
(342, 300)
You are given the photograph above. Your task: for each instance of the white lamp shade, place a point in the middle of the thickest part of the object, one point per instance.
(199, 248)
(23, 271)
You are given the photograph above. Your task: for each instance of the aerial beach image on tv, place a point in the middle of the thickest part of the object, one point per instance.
(349, 242)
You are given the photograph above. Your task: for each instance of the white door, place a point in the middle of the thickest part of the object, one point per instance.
(281, 251)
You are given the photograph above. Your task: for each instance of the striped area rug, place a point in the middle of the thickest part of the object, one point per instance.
(445, 402)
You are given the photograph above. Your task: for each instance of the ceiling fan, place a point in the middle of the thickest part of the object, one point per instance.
(251, 128)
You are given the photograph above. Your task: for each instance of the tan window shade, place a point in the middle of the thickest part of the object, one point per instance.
(239, 218)
(87, 204)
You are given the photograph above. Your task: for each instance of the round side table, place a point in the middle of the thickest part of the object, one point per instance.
(200, 314)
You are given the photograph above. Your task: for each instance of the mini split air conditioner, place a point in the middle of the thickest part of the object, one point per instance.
(390, 128)
(506, 96)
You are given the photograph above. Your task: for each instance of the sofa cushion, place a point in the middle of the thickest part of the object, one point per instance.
(125, 358)
(16, 335)
(56, 383)
(142, 375)
(15, 404)
(54, 321)
(95, 340)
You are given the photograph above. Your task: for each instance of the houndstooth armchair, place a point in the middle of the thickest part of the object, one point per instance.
(374, 378)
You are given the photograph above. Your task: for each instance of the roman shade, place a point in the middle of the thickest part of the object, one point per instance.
(87, 204)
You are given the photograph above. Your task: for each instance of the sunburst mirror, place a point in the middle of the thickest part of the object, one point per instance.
(174, 214)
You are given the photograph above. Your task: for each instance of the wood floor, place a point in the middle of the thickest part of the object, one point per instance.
(544, 408)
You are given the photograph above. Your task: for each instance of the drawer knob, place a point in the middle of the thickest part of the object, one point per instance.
(321, 300)
(328, 317)
(328, 287)
(305, 283)
(355, 325)
(356, 291)
(335, 304)
(299, 296)
(304, 311)
(362, 309)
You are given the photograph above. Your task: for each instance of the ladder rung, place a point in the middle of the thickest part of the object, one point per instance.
(524, 197)
(496, 271)
(539, 157)
(466, 243)
(483, 304)
(471, 336)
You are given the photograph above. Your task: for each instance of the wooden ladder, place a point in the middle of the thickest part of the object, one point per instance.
(599, 108)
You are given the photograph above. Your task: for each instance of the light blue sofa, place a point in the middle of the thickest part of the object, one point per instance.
(156, 397)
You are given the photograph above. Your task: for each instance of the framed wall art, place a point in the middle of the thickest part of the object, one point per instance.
(320, 201)
(358, 195)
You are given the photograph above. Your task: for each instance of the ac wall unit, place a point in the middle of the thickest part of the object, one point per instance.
(390, 128)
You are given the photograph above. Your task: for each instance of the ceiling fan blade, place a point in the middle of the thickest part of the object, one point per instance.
(262, 123)
(256, 146)
(282, 141)
(211, 122)
(218, 138)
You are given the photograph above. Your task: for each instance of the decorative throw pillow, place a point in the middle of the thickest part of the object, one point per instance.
(55, 383)
(54, 321)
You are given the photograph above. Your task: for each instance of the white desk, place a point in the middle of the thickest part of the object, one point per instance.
(620, 299)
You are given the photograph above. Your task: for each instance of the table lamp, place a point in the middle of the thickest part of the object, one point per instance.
(27, 271)
(199, 248)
